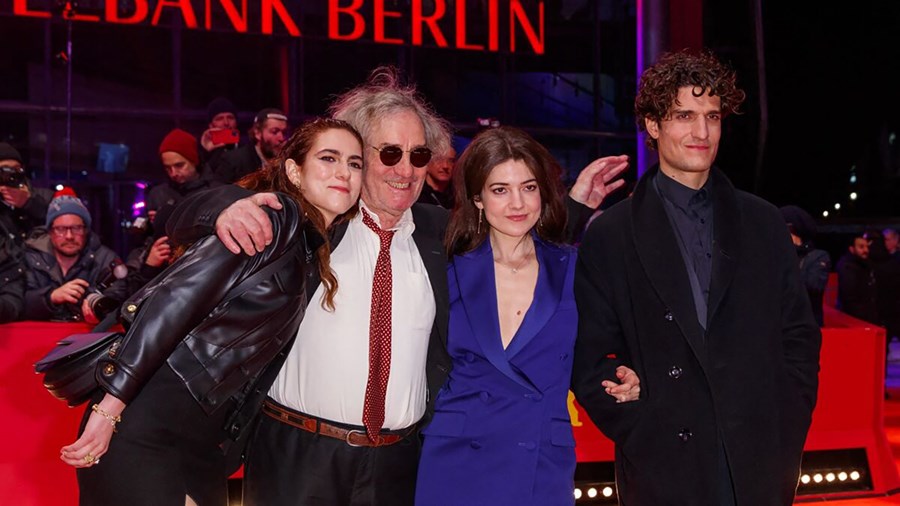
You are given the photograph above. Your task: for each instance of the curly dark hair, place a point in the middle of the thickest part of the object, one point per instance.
(658, 90)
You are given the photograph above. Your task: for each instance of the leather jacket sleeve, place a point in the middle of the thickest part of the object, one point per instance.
(181, 298)
(195, 216)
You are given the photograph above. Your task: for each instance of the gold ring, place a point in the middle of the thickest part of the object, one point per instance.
(89, 458)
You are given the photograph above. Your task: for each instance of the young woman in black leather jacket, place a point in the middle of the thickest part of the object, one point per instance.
(195, 347)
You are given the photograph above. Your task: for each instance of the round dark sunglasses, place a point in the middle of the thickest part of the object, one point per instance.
(391, 155)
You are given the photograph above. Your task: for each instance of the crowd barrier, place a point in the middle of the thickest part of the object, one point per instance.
(848, 417)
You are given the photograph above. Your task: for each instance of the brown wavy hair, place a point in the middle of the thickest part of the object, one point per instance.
(273, 178)
(658, 90)
(487, 150)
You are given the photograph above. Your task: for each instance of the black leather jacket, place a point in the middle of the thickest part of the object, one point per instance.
(218, 349)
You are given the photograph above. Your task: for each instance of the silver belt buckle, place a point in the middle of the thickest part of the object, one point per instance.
(350, 433)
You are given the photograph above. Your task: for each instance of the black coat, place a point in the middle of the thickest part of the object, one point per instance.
(748, 383)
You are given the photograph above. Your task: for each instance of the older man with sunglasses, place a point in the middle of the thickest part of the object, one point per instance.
(341, 420)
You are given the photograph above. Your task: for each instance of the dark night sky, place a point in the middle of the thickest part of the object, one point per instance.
(832, 77)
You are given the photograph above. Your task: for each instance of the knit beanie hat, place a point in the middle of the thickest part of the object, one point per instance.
(183, 143)
(218, 106)
(800, 222)
(65, 204)
(7, 152)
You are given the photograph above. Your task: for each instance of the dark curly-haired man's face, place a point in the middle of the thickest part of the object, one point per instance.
(688, 138)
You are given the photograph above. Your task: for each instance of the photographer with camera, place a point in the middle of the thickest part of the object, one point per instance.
(268, 133)
(22, 207)
(179, 157)
(65, 264)
(221, 134)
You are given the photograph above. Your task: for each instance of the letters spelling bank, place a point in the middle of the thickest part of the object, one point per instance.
(347, 19)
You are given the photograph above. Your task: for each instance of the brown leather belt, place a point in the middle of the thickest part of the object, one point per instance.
(353, 437)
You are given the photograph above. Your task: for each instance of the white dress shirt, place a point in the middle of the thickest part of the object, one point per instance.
(327, 368)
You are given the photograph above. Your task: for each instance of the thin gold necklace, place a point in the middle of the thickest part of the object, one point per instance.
(516, 269)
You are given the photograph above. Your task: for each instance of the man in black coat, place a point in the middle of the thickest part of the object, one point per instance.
(695, 285)
(857, 290)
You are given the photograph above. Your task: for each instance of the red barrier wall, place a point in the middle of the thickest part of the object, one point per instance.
(849, 413)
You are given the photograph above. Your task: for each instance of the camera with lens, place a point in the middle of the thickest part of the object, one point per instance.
(13, 177)
(100, 304)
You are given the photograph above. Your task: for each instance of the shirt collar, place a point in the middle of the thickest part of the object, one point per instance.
(683, 196)
(402, 230)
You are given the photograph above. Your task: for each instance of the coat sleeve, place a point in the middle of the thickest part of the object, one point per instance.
(801, 337)
(183, 296)
(600, 346)
(195, 216)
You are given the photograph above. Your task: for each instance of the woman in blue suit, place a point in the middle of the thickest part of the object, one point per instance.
(501, 432)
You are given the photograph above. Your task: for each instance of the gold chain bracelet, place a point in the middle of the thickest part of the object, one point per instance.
(113, 420)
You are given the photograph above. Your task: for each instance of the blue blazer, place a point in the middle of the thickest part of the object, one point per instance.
(501, 433)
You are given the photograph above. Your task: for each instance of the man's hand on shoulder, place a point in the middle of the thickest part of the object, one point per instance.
(245, 226)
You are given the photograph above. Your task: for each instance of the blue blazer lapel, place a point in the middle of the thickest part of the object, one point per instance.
(547, 294)
(478, 294)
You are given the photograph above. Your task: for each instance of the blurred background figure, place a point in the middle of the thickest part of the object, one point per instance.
(269, 130)
(857, 293)
(23, 207)
(437, 189)
(65, 264)
(221, 134)
(815, 264)
(12, 279)
(181, 161)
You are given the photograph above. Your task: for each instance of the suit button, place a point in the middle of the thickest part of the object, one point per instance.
(668, 316)
(470, 357)
(528, 445)
(685, 434)
(675, 372)
(475, 445)
(485, 396)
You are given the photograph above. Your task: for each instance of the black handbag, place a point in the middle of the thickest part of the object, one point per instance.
(70, 366)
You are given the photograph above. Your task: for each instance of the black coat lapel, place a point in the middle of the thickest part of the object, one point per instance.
(428, 237)
(726, 239)
(659, 254)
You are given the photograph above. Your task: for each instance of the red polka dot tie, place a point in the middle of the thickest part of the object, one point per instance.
(379, 333)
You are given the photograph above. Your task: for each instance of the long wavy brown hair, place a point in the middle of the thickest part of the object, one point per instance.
(273, 178)
(658, 90)
(486, 151)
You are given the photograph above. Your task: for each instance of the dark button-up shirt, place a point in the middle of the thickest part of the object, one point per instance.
(691, 214)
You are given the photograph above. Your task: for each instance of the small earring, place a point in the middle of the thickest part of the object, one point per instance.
(541, 220)
(480, 212)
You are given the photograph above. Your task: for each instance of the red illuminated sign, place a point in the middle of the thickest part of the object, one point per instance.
(347, 20)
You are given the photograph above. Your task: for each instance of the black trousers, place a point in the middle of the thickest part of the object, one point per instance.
(166, 447)
(287, 466)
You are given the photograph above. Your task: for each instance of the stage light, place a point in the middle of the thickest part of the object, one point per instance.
(826, 472)
(607, 491)
(59, 187)
(837, 206)
(577, 494)
(824, 214)
(592, 492)
(853, 196)
(852, 178)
